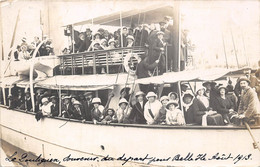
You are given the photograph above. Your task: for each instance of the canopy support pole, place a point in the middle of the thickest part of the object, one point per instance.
(4, 95)
(59, 101)
(247, 60)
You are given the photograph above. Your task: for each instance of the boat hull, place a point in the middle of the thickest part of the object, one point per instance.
(57, 138)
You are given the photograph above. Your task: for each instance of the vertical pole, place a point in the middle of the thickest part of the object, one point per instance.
(234, 48)
(1, 39)
(107, 62)
(225, 50)
(59, 101)
(72, 38)
(82, 64)
(175, 57)
(121, 35)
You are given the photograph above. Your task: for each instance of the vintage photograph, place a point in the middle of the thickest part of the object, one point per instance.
(134, 83)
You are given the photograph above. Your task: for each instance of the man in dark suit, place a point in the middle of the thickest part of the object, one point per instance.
(54, 107)
(67, 108)
(87, 41)
(87, 106)
(143, 67)
(137, 114)
(28, 101)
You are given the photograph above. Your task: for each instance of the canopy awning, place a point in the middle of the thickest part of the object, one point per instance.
(9, 81)
(83, 82)
(151, 14)
(194, 75)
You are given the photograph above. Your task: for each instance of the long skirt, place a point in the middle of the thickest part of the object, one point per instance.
(215, 119)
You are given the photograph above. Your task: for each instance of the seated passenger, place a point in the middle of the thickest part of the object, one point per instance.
(28, 101)
(231, 94)
(103, 44)
(162, 114)
(152, 108)
(77, 110)
(111, 44)
(187, 109)
(46, 107)
(130, 41)
(97, 111)
(123, 112)
(184, 88)
(249, 107)
(73, 98)
(224, 105)
(174, 115)
(96, 46)
(66, 107)
(54, 106)
(173, 96)
(24, 54)
(137, 114)
(110, 116)
(203, 114)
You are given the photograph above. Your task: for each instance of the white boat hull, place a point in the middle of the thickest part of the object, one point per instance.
(46, 137)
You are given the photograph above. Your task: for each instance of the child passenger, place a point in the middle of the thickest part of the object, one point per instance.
(174, 115)
(110, 117)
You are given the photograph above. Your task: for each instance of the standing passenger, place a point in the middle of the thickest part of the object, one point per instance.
(54, 106)
(87, 106)
(28, 101)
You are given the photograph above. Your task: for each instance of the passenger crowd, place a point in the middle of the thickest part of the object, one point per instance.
(24, 51)
(211, 104)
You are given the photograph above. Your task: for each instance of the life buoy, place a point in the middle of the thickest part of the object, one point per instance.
(128, 57)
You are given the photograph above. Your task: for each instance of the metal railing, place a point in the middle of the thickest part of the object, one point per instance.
(97, 59)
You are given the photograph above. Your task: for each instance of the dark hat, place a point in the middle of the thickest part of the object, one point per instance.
(209, 82)
(88, 29)
(124, 28)
(173, 93)
(100, 30)
(87, 93)
(73, 96)
(222, 87)
(162, 23)
(184, 85)
(53, 97)
(27, 92)
(187, 95)
(126, 89)
(243, 79)
(111, 110)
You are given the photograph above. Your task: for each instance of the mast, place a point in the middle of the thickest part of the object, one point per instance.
(176, 37)
(225, 51)
(234, 48)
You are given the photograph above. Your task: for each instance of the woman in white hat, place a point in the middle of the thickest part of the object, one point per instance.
(174, 115)
(130, 41)
(97, 111)
(111, 44)
(103, 44)
(123, 112)
(152, 108)
(46, 107)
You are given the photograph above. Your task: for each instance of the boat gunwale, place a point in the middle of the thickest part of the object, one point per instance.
(189, 127)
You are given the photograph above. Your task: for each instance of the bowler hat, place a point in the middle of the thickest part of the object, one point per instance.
(76, 102)
(87, 93)
(209, 82)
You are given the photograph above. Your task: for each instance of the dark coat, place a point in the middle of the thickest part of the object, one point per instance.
(143, 67)
(28, 104)
(224, 105)
(55, 110)
(124, 41)
(85, 45)
(77, 114)
(144, 37)
(86, 110)
(199, 109)
(69, 110)
(137, 114)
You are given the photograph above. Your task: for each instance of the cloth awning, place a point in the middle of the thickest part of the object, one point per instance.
(84, 82)
(152, 14)
(193, 75)
(9, 81)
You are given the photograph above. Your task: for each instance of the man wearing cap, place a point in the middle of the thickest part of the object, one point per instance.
(66, 108)
(54, 106)
(124, 35)
(249, 104)
(167, 33)
(77, 110)
(137, 114)
(152, 108)
(28, 101)
(87, 41)
(87, 106)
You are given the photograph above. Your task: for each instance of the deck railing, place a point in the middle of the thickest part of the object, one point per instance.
(93, 60)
